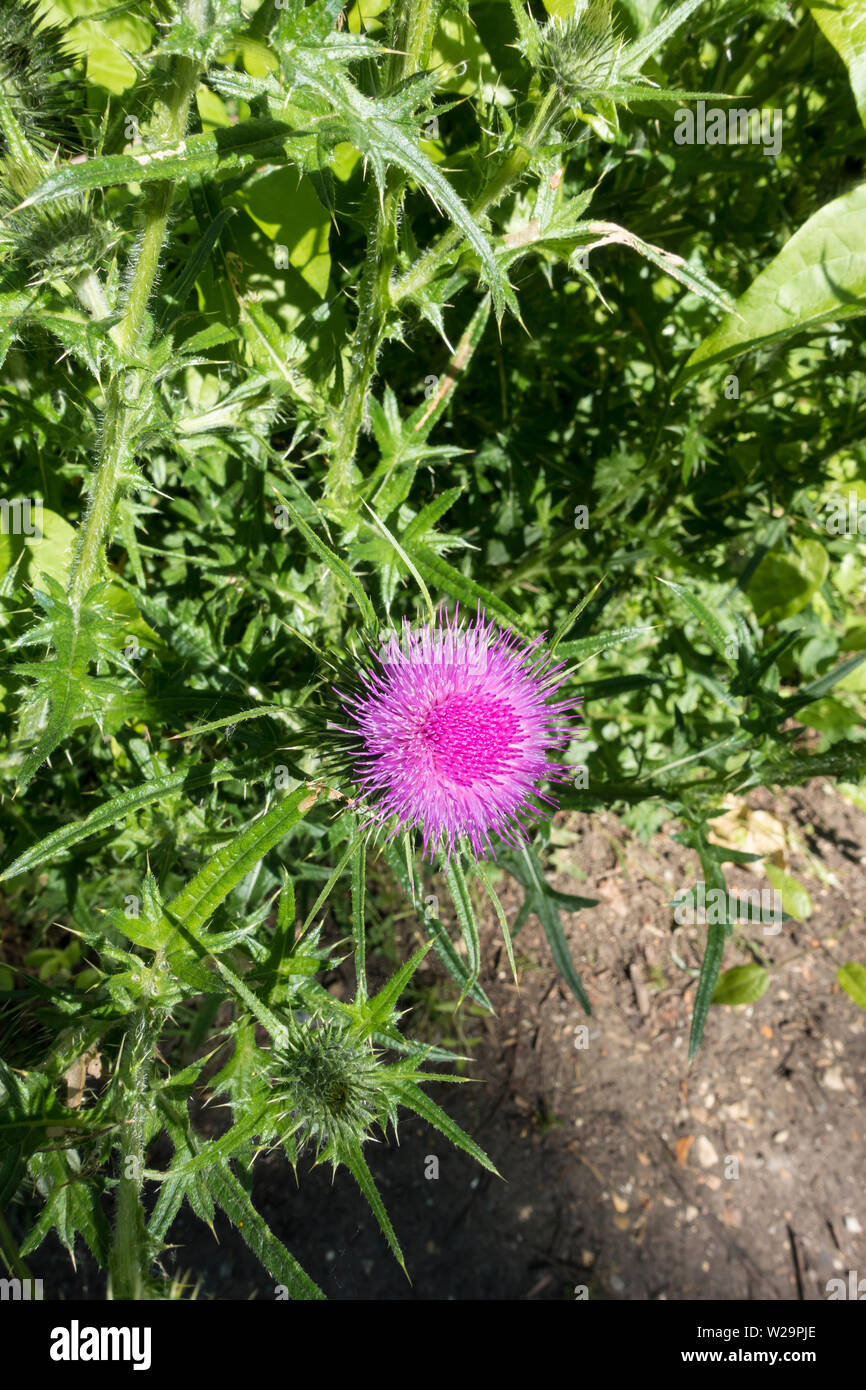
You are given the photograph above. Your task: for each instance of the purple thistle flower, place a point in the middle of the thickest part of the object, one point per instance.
(451, 732)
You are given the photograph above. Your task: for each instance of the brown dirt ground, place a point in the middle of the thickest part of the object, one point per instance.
(624, 1171)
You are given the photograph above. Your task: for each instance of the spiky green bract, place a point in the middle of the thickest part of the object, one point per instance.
(33, 55)
(333, 1089)
(38, 109)
(578, 52)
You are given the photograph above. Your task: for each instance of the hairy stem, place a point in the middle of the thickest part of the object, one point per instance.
(412, 39)
(127, 390)
(129, 1260)
(501, 181)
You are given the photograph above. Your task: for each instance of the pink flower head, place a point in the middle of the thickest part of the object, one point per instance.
(451, 731)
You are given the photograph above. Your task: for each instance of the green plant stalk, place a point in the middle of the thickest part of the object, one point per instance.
(500, 182)
(413, 40)
(374, 302)
(126, 383)
(9, 1252)
(129, 1259)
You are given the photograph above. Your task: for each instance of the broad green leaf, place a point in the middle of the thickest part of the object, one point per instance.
(796, 902)
(852, 978)
(742, 984)
(785, 581)
(819, 276)
(284, 204)
(844, 24)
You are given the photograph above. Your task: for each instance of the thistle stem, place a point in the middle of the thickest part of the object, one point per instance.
(500, 182)
(126, 392)
(128, 1263)
(413, 38)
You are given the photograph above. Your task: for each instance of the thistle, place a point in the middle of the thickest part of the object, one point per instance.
(331, 1093)
(451, 731)
(332, 1088)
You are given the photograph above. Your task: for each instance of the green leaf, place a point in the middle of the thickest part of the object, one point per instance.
(547, 914)
(359, 859)
(422, 420)
(785, 581)
(228, 1194)
(742, 984)
(571, 618)
(353, 1157)
(716, 634)
(200, 898)
(710, 967)
(116, 810)
(72, 1206)
(337, 566)
(415, 1099)
(585, 647)
(852, 978)
(844, 24)
(442, 575)
(459, 890)
(395, 544)
(442, 943)
(796, 902)
(232, 147)
(818, 276)
(483, 874)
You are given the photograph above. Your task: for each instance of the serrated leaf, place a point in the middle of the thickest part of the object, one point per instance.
(443, 576)
(710, 967)
(546, 912)
(228, 1194)
(116, 810)
(337, 566)
(716, 634)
